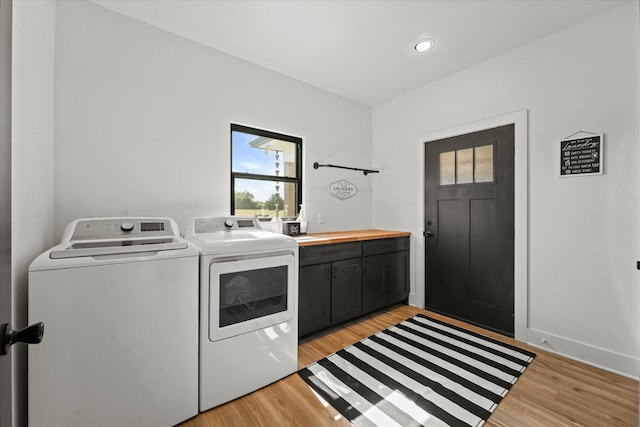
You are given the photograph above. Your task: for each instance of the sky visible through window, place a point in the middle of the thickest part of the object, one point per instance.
(253, 160)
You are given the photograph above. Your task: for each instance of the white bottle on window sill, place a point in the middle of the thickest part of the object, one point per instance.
(276, 223)
(302, 219)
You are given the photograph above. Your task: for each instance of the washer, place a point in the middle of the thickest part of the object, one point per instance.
(119, 300)
(248, 307)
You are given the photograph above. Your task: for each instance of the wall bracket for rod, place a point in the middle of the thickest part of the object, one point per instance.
(316, 165)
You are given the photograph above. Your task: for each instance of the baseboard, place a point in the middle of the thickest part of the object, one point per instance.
(414, 301)
(600, 358)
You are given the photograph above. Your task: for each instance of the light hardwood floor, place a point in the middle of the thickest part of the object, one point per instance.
(553, 391)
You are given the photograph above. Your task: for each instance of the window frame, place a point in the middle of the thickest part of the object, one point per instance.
(243, 175)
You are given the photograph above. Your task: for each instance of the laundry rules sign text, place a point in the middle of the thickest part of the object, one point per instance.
(581, 156)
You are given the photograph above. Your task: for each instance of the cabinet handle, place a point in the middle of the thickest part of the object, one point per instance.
(327, 272)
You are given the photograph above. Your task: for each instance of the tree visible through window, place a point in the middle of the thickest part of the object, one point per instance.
(265, 173)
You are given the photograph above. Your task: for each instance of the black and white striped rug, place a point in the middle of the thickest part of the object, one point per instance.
(420, 372)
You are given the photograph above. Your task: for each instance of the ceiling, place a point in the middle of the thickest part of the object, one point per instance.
(362, 50)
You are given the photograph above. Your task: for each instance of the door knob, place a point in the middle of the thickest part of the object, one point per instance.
(429, 233)
(32, 334)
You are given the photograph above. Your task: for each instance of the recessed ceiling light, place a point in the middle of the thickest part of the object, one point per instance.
(424, 45)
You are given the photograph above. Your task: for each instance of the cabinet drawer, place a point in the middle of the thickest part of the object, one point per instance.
(329, 253)
(383, 246)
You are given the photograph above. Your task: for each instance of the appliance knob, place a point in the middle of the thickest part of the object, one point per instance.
(228, 223)
(126, 226)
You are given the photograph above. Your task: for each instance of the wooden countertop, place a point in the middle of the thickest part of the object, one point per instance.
(347, 236)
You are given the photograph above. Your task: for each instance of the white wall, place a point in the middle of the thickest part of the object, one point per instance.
(583, 287)
(143, 124)
(31, 162)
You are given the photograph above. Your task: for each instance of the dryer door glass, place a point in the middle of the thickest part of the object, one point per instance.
(250, 294)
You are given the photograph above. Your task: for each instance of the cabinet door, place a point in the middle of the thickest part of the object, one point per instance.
(314, 298)
(346, 290)
(374, 285)
(398, 276)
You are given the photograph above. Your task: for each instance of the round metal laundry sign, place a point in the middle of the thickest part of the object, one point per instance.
(343, 189)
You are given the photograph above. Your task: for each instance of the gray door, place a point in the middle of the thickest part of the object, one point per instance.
(469, 227)
(5, 204)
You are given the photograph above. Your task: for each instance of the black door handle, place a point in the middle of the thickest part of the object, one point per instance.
(429, 233)
(32, 334)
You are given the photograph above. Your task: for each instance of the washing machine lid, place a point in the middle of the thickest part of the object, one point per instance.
(112, 236)
(113, 247)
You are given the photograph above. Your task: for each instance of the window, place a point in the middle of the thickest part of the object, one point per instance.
(467, 166)
(266, 173)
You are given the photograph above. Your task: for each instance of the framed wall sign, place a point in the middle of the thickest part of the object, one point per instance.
(582, 156)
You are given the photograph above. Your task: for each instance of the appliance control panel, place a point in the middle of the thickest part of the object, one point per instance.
(228, 223)
(116, 228)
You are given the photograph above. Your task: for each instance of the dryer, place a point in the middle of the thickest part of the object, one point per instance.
(119, 300)
(248, 307)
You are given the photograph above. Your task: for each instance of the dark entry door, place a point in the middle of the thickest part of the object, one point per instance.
(469, 229)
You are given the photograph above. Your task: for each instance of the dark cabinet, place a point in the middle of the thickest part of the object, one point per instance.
(398, 276)
(374, 290)
(314, 302)
(385, 277)
(321, 254)
(346, 290)
(341, 281)
(329, 285)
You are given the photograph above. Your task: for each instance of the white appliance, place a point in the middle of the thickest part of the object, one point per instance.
(119, 301)
(248, 307)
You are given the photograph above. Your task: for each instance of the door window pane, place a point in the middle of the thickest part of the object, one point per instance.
(483, 163)
(467, 166)
(448, 168)
(464, 166)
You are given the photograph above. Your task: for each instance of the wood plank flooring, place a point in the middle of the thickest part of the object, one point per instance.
(553, 391)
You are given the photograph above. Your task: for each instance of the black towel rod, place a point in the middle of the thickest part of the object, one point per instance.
(316, 165)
